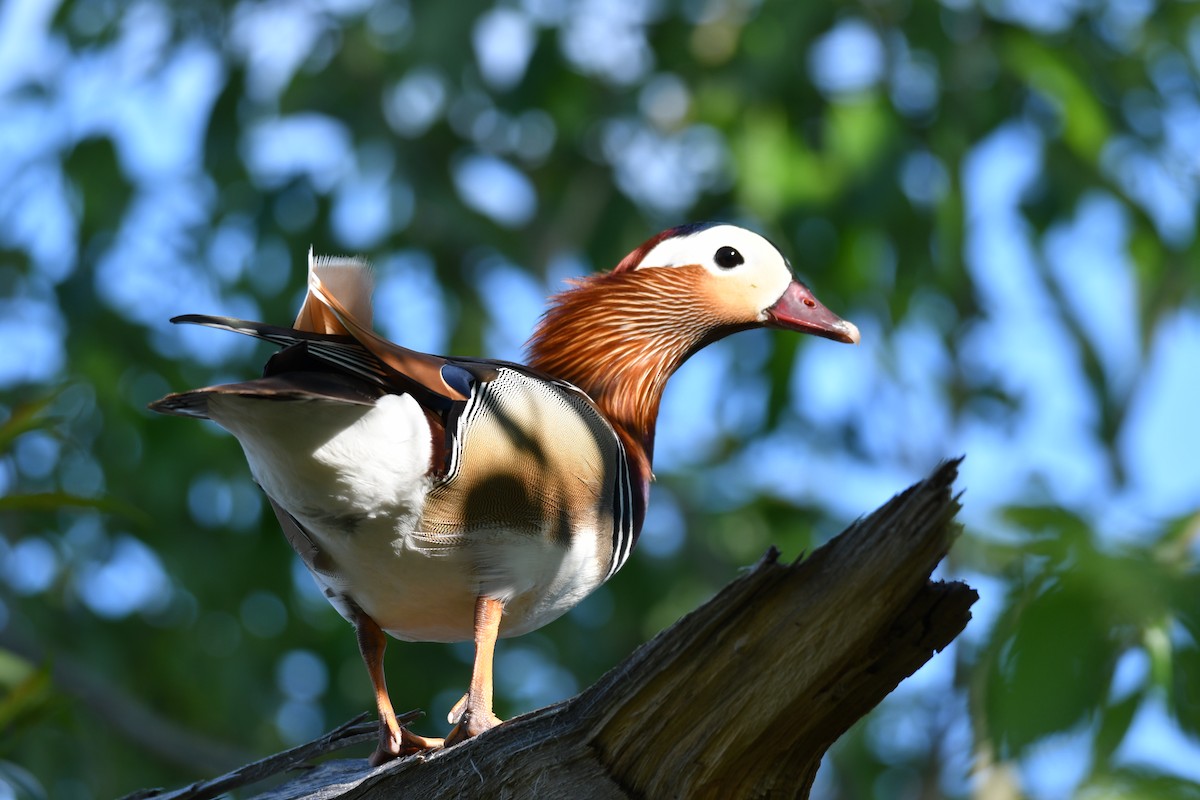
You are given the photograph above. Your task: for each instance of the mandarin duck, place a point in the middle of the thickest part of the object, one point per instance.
(437, 498)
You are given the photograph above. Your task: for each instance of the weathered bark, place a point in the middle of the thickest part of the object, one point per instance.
(740, 698)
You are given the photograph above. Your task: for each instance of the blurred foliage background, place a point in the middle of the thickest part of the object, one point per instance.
(1002, 195)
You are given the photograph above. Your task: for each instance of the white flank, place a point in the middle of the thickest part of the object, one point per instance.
(330, 459)
(355, 477)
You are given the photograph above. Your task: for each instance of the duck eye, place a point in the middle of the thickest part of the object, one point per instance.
(728, 258)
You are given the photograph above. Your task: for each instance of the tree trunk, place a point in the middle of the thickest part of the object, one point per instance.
(740, 698)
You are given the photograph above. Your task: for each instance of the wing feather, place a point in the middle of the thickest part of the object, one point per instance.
(349, 279)
(422, 368)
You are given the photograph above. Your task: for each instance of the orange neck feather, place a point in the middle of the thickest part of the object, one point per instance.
(619, 336)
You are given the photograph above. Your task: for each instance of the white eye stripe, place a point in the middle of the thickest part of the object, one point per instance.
(702, 247)
(749, 273)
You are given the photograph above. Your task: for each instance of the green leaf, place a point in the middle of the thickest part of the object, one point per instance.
(1177, 537)
(55, 501)
(26, 701)
(1158, 645)
(1048, 70)
(1114, 724)
(1052, 672)
(1057, 527)
(26, 417)
(1185, 688)
(1128, 784)
(857, 133)
(779, 167)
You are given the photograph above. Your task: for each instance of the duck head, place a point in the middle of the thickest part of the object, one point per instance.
(620, 335)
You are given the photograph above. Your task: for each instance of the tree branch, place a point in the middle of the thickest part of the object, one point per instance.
(345, 735)
(742, 697)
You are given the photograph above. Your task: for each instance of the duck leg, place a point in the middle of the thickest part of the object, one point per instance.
(394, 740)
(474, 712)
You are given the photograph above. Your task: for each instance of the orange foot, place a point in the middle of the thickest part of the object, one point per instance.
(469, 725)
(469, 722)
(396, 741)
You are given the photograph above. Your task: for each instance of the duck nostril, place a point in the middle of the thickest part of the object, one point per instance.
(808, 301)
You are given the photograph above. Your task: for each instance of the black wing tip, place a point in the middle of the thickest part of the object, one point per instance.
(204, 319)
(181, 404)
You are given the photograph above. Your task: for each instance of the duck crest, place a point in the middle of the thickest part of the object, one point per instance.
(631, 261)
